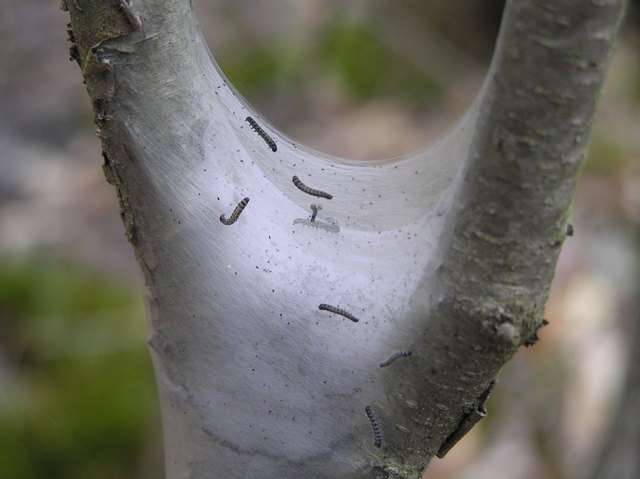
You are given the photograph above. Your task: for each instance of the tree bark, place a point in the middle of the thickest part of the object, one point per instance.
(447, 254)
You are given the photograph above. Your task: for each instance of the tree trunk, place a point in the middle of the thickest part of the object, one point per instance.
(447, 254)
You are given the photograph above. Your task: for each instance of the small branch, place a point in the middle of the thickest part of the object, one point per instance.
(535, 119)
(509, 212)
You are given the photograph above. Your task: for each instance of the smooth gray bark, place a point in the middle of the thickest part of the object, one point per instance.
(448, 253)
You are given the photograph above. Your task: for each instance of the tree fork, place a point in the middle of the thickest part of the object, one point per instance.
(448, 253)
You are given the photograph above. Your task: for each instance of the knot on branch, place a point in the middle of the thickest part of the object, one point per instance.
(503, 327)
(91, 41)
(507, 329)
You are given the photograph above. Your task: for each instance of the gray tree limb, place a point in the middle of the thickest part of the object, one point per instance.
(448, 253)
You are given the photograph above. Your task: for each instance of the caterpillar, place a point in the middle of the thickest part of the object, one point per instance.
(569, 229)
(314, 212)
(340, 311)
(399, 354)
(234, 216)
(310, 191)
(262, 134)
(377, 432)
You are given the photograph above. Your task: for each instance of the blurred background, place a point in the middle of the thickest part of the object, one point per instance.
(357, 78)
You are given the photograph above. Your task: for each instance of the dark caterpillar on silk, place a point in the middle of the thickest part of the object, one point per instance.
(234, 216)
(263, 134)
(310, 191)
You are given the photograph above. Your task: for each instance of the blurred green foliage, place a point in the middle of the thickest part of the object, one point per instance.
(77, 396)
(254, 69)
(346, 49)
(368, 68)
(608, 155)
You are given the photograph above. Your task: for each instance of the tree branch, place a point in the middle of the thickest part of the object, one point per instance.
(262, 367)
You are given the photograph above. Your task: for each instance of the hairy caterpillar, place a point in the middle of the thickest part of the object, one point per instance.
(340, 311)
(310, 191)
(399, 354)
(377, 432)
(263, 134)
(234, 216)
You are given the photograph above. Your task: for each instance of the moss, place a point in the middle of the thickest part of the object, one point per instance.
(81, 402)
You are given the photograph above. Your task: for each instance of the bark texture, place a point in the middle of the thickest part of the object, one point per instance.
(448, 253)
